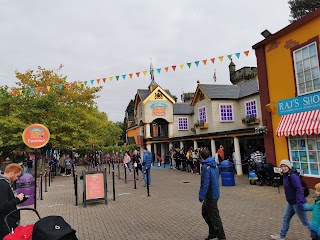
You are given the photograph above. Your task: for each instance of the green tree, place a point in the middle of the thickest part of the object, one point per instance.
(70, 113)
(299, 8)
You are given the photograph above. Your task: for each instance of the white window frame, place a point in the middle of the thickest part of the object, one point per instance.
(185, 118)
(245, 106)
(206, 117)
(306, 61)
(297, 154)
(140, 110)
(220, 117)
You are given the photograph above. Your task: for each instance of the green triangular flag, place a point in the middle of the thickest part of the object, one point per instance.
(229, 56)
(117, 77)
(189, 65)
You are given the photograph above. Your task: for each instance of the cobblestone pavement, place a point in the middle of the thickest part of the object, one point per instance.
(172, 211)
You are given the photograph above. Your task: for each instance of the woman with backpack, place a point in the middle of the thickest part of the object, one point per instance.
(295, 199)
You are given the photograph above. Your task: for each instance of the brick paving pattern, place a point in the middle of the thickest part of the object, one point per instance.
(171, 212)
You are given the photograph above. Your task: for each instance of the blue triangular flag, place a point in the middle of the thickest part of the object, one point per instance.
(159, 69)
(92, 81)
(237, 54)
(124, 76)
(197, 63)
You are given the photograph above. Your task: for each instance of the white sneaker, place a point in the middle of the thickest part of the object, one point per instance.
(276, 236)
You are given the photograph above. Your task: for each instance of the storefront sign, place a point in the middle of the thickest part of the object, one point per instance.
(299, 104)
(159, 109)
(36, 136)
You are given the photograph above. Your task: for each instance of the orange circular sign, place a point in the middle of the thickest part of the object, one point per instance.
(36, 136)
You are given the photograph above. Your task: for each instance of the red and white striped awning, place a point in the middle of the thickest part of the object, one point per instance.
(299, 123)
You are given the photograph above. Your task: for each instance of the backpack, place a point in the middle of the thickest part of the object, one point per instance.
(306, 190)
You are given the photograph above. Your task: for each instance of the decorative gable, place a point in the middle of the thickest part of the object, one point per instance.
(159, 94)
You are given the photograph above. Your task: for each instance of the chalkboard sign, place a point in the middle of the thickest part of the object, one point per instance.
(95, 186)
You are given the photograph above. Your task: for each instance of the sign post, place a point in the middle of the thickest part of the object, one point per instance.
(36, 136)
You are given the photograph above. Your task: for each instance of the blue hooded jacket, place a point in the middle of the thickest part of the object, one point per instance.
(209, 180)
(147, 159)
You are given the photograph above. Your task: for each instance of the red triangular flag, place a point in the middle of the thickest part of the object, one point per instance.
(212, 60)
(104, 80)
(137, 73)
(174, 68)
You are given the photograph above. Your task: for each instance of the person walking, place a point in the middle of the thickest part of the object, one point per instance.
(8, 202)
(295, 199)
(146, 163)
(209, 194)
(220, 153)
(315, 208)
(136, 161)
(126, 161)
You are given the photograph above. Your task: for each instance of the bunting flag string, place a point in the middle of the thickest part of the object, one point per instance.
(15, 91)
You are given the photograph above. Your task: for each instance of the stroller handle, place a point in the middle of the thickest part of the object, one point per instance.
(18, 210)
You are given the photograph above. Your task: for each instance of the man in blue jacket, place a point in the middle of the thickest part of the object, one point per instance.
(146, 163)
(209, 194)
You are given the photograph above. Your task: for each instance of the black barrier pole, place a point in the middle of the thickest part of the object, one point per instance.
(134, 177)
(109, 165)
(74, 175)
(164, 162)
(125, 174)
(49, 178)
(45, 181)
(147, 171)
(35, 179)
(118, 169)
(113, 184)
(105, 169)
(76, 188)
(41, 186)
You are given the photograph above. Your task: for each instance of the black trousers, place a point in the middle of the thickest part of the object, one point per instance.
(210, 213)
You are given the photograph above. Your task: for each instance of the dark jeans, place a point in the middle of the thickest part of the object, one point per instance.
(210, 213)
(314, 235)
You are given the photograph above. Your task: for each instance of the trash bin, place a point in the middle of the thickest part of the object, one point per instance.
(25, 185)
(227, 173)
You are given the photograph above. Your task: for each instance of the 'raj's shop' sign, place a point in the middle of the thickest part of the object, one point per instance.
(159, 109)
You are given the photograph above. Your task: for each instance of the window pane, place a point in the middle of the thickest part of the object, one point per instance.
(299, 66)
(302, 88)
(312, 50)
(309, 87)
(306, 64)
(300, 77)
(305, 53)
(298, 56)
(315, 72)
(314, 61)
(307, 75)
(316, 84)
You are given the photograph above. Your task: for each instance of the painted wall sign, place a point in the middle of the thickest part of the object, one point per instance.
(159, 109)
(36, 136)
(299, 104)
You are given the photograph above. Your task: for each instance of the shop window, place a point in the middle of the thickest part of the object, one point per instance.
(183, 123)
(251, 108)
(202, 114)
(305, 153)
(226, 112)
(306, 65)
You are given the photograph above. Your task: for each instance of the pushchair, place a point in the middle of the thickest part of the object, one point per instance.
(47, 228)
(261, 172)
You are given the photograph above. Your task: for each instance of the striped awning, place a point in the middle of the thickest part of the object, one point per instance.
(299, 123)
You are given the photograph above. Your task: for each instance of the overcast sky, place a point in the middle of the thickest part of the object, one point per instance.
(95, 39)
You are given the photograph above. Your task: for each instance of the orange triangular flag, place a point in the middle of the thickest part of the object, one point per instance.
(130, 75)
(221, 58)
(104, 80)
(67, 85)
(144, 73)
(174, 68)
(212, 60)
(37, 90)
(166, 68)
(204, 62)
(138, 74)
(98, 80)
(110, 78)
(246, 53)
(181, 66)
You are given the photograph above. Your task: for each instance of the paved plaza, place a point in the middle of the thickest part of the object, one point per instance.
(172, 211)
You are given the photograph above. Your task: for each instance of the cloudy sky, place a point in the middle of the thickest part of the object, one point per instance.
(95, 39)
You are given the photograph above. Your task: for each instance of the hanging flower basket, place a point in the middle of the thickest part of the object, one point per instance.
(249, 119)
(261, 130)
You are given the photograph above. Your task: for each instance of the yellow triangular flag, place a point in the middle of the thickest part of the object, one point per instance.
(110, 78)
(181, 66)
(144, 73)
(48, 88)
(20, 91)
(221, 58)
(79, 84)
